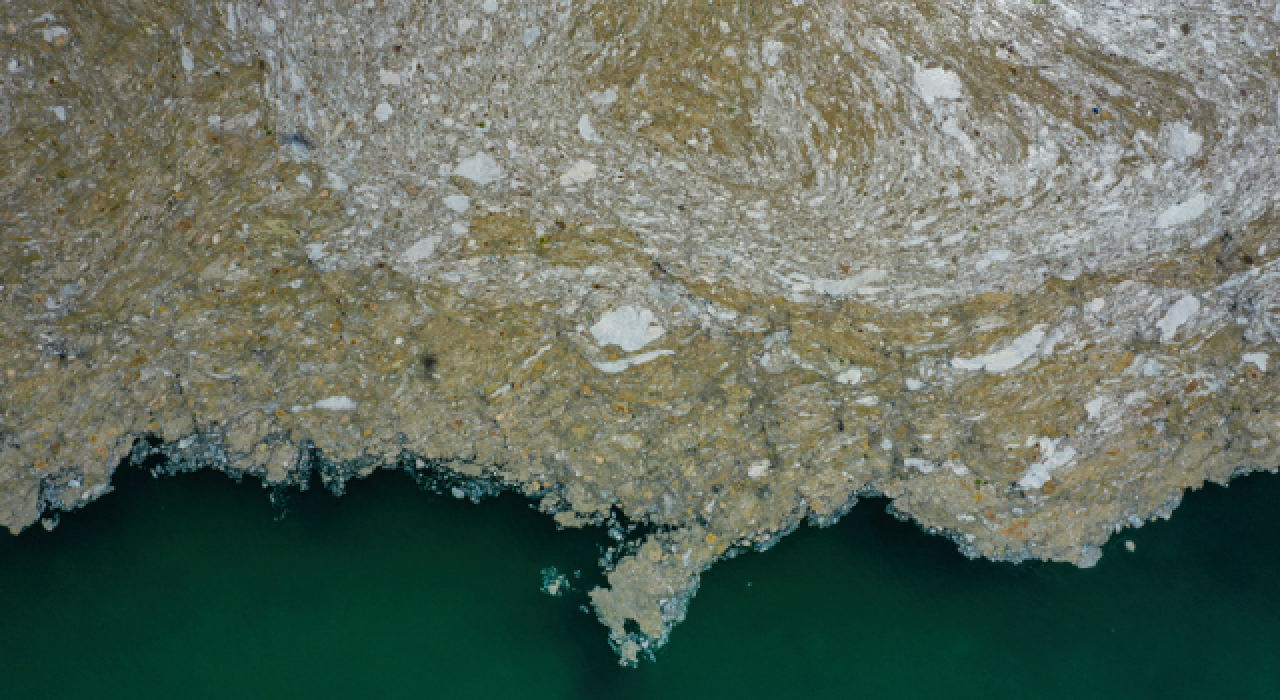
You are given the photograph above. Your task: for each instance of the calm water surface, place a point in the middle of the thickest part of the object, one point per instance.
(194, 587)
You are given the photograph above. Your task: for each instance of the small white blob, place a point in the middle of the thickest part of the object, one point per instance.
(924, 465)
(1184, 212)
(336, 181)
(771, 51)
(586, 131)
(1183, 143)
(481, 169)
(490, 6)
(616, 366)
(1007, 358)
(580, 172)
(188, 60)
(59, 112)
(421, 250)
(336, 403)
(1178, 314)
(383, 112)
(849, 376)
(935, 84)
(530, 35)
(630, 328)
(1256, 358)
(850, 285)
(53, 33)
(758, 469)
(914, 385)
(214, 121)
(919, 225)
(303, 180)
(457, 202)
(603, 98)
(1097, 305)
(465, 24)
(388, 77)
(1051, 458)
(268, 25)
(1095, 408)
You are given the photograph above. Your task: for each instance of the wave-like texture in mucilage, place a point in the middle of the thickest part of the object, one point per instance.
(717, 267)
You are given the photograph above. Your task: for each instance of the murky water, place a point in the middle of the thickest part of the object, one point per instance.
(193, 586)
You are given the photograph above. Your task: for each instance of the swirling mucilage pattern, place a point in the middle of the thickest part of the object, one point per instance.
(712, 267)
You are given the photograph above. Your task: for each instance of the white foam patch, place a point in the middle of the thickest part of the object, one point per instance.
(315, 251)
(1178, 314)
(1052, 458)
(579, 173)
(336, 403)
(849, 376)
(771, 51)
(421, 250)
(616, 366)
(1184, 212)
(388, 77)
(53, 33)
(918, 225)
(603, 98)
(758, 469)
(857, 284)
(457, 202)
(938, 84)
(188, 60)
(914, 385)
(383, 112)
(586, 131)
(481, 169)
(1256, 358)
(1183, 143)
(1007, 358)
(630, 328)
(925, 466)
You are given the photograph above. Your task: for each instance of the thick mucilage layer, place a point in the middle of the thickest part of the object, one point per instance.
(1023, 285)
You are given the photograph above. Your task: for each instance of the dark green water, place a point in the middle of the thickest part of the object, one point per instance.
(190, 587)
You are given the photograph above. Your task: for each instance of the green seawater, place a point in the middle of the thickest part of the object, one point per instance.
(194, 586)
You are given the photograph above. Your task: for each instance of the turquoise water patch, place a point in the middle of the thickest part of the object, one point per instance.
(194, 586)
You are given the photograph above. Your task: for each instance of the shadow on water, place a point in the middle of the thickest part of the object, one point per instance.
(193, 586)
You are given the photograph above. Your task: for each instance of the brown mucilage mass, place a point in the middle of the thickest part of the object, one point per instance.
(715, 267)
